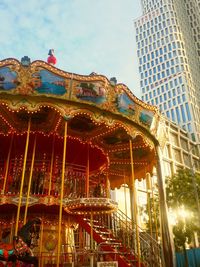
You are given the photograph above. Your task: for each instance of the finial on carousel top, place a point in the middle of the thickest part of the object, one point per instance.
(51, 59)
(25, 61)
(113, 81)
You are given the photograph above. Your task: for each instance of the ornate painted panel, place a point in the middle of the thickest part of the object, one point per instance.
(125, 104)
(8, 79)
(91, 92)
(46, 82)
(146, 117)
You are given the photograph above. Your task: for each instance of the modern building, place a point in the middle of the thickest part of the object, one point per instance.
(168, 49)
(179, 150)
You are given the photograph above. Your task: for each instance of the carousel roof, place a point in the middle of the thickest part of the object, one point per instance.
(102, 117)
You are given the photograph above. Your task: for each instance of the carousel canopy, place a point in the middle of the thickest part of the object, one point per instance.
(104, 119)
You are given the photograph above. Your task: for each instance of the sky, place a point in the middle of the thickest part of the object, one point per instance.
(87, 36)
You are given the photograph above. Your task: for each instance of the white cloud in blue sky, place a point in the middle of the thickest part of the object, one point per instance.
(86, 35)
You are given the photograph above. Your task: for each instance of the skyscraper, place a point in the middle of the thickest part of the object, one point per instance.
(168, 49)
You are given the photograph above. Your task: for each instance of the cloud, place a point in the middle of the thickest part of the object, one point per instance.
(86, 35)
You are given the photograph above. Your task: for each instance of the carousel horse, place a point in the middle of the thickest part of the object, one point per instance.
(20, 250)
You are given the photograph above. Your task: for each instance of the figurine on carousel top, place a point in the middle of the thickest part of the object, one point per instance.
(51, 59)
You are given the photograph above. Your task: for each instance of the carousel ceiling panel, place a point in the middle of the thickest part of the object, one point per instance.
(5, 125)
(45, 120)
(81, 124)
(118, 137)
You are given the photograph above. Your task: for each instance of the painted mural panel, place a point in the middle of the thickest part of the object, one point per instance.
(8, 79)
(146, 117)
(91, 92)
(45, 82)
(125, 104)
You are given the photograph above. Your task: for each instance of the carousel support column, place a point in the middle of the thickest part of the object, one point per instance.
(41, 260)
(7, 164)
(23, 175)
(12, 229)
(107, 186)
(134, 208)
(149, 202)
(61, 193)
(87, 174)
(128, 240)
(92, 241)
(29, 182)
(51, 168)
(166, 233)
(154, 209)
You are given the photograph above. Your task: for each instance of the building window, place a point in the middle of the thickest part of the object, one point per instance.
(174, 139)
(168, 116)
(188, 111)
(167, 169)
(183, 113)
(177, 155)
(173, 115)
(186, 159)
(189, 128)
(178, 115)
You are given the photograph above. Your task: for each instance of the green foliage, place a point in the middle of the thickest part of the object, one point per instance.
(180, 190)
(183, 233)
(180, 193)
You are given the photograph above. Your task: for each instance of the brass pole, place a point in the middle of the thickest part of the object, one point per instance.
(87, 174)
(135, 203)
(7, 164)
(126, 212)
(154, 210)
(41, 242)
(30, 180)
(91, 230)
(91, 240)
(107, 186)
(23, 175)
(12, 229)
(51, 168)
(149, 202)
(61, 194)
(125, 198)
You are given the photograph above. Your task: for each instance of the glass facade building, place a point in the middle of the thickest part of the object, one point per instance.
(168, 50)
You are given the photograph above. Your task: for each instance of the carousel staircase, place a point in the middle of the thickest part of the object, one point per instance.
(116, 240)
(108, 246)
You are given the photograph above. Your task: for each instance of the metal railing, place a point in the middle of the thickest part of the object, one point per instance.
(123, 230)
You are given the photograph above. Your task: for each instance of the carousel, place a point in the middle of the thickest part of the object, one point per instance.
(67, 141)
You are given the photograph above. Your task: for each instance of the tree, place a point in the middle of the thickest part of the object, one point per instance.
(181, 196)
